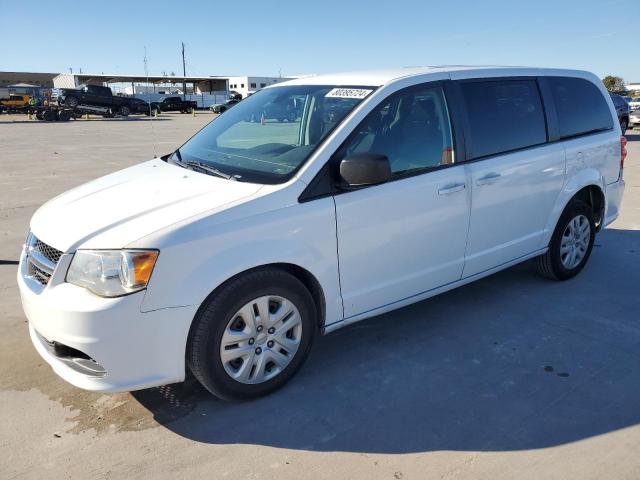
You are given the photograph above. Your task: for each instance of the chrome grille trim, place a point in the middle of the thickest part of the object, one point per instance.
(48, 251)
(38, 275)
(41, 259)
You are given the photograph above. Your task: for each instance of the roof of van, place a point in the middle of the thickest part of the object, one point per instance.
(382, 77)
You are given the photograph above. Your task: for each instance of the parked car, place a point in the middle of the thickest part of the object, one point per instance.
(93, 98)
(635, 103)
(222, 257)
(173, 104)
(622, 110)
(634, 119)
(223, 107)
(139, 105)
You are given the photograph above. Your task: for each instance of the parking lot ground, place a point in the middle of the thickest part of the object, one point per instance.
(513, 376)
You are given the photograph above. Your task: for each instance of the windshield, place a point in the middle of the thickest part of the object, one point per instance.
(268, 136)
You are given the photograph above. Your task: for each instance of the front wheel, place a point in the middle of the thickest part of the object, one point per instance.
(252, 335)
(71, 102)
(124, 111)
(571, 243)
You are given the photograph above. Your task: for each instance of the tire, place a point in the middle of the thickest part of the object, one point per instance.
(125, 111)
(555, 264)
(64, 115)
(221, 316)
(155, 111)
(71, 102)
(49, 116)
(39, 116)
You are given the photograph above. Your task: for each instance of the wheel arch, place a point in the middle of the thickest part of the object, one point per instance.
(307, 278)
(587, 185)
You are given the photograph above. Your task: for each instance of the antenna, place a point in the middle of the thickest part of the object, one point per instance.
(146, 72)
(184, 74)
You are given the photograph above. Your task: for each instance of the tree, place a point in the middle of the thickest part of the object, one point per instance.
(614, 84)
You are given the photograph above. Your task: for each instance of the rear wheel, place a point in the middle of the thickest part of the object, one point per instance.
(623, 126)
(571, 243)
(252, 336)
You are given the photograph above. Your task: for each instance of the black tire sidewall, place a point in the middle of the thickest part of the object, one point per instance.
(212, 321)
(571, 211)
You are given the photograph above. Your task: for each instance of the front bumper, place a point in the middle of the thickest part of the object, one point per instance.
(132, 349)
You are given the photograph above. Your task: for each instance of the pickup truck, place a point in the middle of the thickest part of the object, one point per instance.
(173, 104)
(94, 98)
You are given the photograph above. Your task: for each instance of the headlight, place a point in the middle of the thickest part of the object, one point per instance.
(112, 273)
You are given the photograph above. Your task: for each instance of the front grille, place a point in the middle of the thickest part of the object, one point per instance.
(48, 251)
(39, 275)
(41, 259)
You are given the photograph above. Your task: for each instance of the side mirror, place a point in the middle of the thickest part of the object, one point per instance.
(363, 169)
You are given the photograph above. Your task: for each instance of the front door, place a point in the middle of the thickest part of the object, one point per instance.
(407, 236)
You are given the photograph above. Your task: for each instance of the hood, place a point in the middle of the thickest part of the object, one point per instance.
(113, 211)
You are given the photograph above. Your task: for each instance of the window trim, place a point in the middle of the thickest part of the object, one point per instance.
(466, 122)
(326, 181)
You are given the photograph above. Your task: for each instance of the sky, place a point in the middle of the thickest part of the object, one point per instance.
(283, 37)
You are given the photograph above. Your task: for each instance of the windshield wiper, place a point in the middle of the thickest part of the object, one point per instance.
(209, 169)
(202, 166)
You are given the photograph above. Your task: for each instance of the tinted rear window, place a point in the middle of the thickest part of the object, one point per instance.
(504, 116)
(580, 105)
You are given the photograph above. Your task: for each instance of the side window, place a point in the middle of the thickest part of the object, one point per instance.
(411, 128)
(580, 106)
(503, 116)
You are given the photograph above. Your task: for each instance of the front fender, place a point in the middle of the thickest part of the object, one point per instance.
(576, 182)
(198, 257)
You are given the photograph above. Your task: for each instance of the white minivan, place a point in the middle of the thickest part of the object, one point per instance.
(311, 205)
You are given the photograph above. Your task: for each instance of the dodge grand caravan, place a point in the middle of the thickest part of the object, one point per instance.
(229, 255)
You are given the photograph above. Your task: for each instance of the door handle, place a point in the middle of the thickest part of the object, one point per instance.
(488, 179)
(451, 188)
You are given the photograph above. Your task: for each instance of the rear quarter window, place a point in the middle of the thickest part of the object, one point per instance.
(580, 106)
(504, 115)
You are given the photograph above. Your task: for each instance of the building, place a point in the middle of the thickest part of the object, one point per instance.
(247, 85)
(35, 79)
(31, 83)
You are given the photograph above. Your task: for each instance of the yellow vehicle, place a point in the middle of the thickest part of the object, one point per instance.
(15, 101)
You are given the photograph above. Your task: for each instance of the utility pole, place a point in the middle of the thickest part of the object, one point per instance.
(184, 74)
